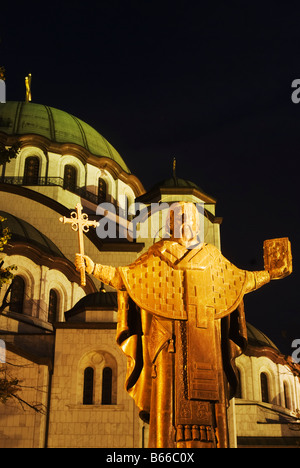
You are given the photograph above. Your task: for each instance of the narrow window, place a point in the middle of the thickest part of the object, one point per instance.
(53, 305)
(88, 386)
(264, 385)
(31, 171)
(17, 295)
(287, 398)
(70, 178)
(107, 386)
(102, 191)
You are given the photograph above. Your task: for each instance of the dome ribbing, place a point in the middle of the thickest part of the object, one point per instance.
(22, 118)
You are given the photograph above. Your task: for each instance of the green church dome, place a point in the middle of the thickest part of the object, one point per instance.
(176, 182)
(23, 118)
(22, 231)
(258, 338)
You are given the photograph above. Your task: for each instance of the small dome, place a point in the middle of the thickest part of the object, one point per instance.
(23, 118)
(95, 301)
(258, 338)
(176, 185)
(176, 182)
(22, 231)
(98, 299)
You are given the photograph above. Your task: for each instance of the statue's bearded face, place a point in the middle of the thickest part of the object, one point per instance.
(183, 222)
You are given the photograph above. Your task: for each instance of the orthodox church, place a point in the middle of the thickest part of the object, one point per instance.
(59, 336)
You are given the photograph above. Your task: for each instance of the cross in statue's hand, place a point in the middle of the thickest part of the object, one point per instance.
(80, 223)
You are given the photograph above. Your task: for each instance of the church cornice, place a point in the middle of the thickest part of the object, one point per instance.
(102, 245)
(102, 162)
(30, 356)
(156, 194)
(273, 355)
(87, 325)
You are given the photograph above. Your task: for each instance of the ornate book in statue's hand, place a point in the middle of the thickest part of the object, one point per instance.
(278, 257)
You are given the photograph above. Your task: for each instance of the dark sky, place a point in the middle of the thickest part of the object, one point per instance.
(206, 82)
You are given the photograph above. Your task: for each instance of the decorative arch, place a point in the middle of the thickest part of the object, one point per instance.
(102, 184)
(102, 190)
(31, 170)
(31, 152)
(17, 295)
(53, 306)
(28, 278)
(287, 395)
(267, 384)
(76, 164)
(56, 281)
(265, 390)
(70, 177)
(98, 385)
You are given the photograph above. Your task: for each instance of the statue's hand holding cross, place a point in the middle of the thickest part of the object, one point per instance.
(80, 223)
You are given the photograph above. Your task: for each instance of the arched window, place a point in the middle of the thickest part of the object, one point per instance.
(97, 379)
(107, 386)
(264, 386)
(31, 171)
(53, 306)
(287, 396)
(17, 295)
(88, 386)
(70, 178)
(102, 190)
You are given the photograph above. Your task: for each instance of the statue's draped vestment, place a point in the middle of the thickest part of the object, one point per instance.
(181, 323)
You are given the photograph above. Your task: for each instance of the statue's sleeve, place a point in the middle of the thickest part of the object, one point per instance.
(109, 275)
(256, 279)
(250, 280)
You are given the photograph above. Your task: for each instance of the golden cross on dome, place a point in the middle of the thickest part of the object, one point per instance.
(28, 87)
(2, 73)
(80, 223)
(174, 167)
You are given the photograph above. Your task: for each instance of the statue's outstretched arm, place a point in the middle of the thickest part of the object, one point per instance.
(278, 263)
(256, 279)
(109, 275)
(106, 274)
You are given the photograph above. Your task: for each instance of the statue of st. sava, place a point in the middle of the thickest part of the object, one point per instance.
(181, 323)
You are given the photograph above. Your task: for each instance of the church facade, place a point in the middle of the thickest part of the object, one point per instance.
(59, 336)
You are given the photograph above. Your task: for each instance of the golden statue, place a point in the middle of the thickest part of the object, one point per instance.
(181, 323)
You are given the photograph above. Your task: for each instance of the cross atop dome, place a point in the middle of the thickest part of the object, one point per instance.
(28, 87)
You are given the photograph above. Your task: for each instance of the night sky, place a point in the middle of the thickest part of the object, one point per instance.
(206, 82)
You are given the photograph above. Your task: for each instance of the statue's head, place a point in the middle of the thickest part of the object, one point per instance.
(183, 223)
